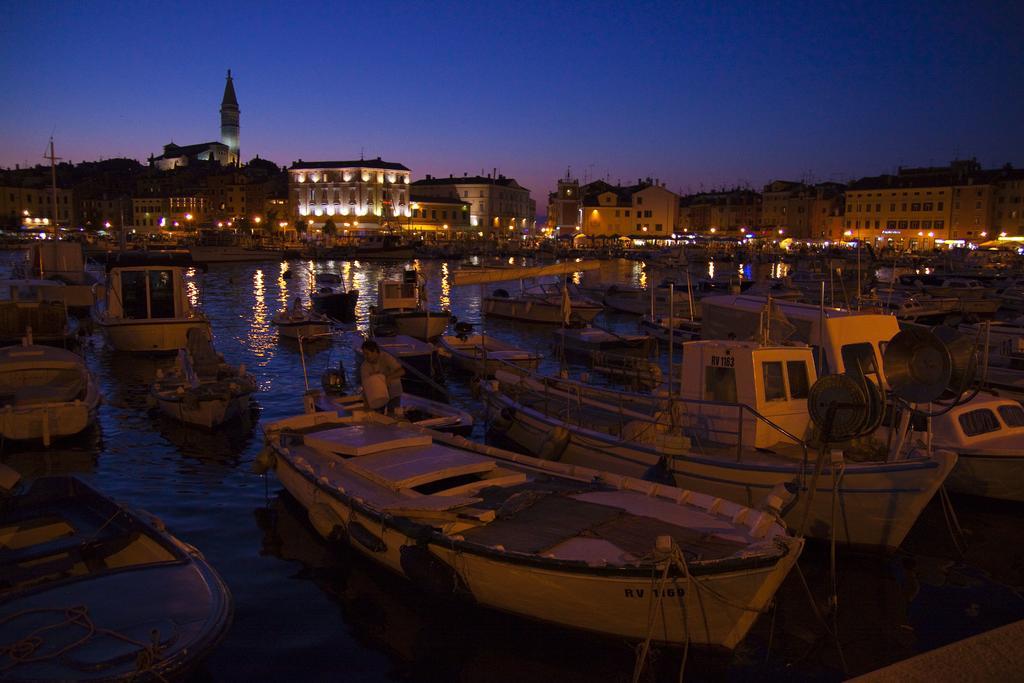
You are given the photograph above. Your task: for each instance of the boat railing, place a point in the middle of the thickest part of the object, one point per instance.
(691, 417)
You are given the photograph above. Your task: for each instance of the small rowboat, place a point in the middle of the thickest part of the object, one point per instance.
(94, 591)
(571, 546)
(298, 321)
(483, 354)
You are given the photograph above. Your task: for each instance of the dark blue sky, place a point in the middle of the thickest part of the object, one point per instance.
(697, 94)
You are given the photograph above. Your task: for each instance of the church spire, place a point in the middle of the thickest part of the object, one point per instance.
(229, 119)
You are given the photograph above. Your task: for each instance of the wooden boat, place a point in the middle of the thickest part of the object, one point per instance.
(415, 409)
(36, 305)
(419, 358)
(678, 331)
(483, 354)
(146, 308)
(573, 547)
(64, 262)
(45, 393)
(585, 340)
(92, 590)
(202, 390)
(400, 306)
(737, 430)
(299, 321)
(540, 304)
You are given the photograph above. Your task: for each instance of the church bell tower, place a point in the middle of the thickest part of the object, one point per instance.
(229, 120)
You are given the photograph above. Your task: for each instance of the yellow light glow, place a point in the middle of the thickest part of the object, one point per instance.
(188, 216)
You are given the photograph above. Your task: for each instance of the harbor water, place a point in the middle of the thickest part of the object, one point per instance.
(305, 610)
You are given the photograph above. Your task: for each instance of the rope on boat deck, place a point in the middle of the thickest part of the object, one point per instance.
(21, 651)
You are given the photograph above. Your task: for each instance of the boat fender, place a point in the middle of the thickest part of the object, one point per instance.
(777, 500)
(502, 420)
(555, 444)
(366, 538)
(265, 461)
(429, 573)
(327, 522)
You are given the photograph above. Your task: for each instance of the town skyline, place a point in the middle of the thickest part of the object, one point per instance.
(694, 97)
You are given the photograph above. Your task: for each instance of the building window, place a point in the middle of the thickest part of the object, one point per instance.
(914, 225)
(903, 225)
(926, 225)
(892, 207)
(627, 213)
(940, 206)
(939, 224)
(915, 207)
(878, 207)
(903, 206)
(928, 206)
(657, 227)
(891, 225)
(639, 200)
(977, 205)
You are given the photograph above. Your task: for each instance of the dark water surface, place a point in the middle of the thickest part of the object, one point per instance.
(307, 611)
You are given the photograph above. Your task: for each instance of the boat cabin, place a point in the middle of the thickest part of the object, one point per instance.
(986, 422)
(399, 295)
(148, 285)
(849, 341)
(718, 377)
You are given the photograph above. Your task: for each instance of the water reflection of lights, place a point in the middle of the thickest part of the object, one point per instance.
(642, 278)
(261, 339)
(446, 288)
(577, 277)
(711, 269)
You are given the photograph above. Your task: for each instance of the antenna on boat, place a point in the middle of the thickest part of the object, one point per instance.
(53, 183)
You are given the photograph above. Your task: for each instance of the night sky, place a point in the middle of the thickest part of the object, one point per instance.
(698, 95)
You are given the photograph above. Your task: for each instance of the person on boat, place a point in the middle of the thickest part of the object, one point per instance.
(377, 362)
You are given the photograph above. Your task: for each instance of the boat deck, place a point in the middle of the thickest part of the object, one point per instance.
(511, 508)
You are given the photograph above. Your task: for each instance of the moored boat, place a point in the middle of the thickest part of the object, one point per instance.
(737, 430)
(400, 306)
(570, 546)
(484, 354)
(146, 308)
(202, 390)
(95, 591)
(541, 304)
(46, 393)
(299, 321)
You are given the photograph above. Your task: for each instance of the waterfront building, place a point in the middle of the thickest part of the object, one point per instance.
(224, 152)
(33, 206)
(440, 218)
(800, 210)
(364, 195)
(565, 210)
(733, 212)
(921, 208)
(601, 209)
(499, 207)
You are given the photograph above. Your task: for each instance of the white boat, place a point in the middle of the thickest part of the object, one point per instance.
(37, 306)
(987, 434)
(1005, 340)
(540, 304)
(737, 430)
(146, 308)
(400, 305)
(483, 354)
(570, 546)
(45, 393)
(202, 389)
(64, 262)
(412, 408)
(585, 340)
(300, 321)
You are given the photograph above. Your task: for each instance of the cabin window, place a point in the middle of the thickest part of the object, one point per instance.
(797, 372)
(161, 294)
(774, 387)
(859, 359)
(720, 384)
(981, 421)
(133, 294)
(1013, 416)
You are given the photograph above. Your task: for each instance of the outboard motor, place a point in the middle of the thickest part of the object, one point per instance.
(462, 330)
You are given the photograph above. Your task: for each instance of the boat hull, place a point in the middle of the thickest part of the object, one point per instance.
(211, 254)
(208, 413)
(876, 503)
(48, 421)
(149, 336)
(995, 473)
(303, 329)
(536, 311)
(585, 599)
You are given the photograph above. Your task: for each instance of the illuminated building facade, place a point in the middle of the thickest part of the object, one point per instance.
(443, 218)
(361, 196)
(921, 208)
(732, 212)
(499, 207)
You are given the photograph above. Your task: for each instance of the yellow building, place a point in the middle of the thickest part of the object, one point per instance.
(366, 193)
(33, 206)
(439, 218)
(646, 209)
(922, 208)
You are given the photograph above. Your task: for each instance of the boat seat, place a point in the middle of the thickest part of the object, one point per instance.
(64, 387)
